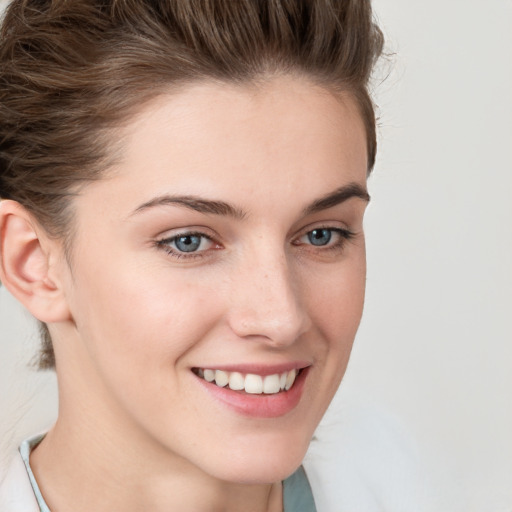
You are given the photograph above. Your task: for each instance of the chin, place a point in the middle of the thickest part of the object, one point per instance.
(264, 463)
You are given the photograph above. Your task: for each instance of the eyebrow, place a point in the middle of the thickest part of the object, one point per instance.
(194, 203)
(208, 206)
(337, 197)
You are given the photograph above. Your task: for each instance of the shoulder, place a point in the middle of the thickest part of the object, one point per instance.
(16, 493)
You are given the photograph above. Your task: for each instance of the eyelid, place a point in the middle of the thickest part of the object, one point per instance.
(341, 236)
(195, 229)
(164, 242)
(344, 233)
(331, 225)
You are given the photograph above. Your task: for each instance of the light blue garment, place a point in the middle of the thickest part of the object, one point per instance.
(25, 449)
(297, 495)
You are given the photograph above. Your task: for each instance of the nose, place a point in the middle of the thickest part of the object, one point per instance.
(267, 300)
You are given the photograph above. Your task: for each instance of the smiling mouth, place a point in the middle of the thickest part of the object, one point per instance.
(249, 383)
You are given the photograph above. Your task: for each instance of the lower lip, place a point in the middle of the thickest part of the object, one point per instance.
(259, 406)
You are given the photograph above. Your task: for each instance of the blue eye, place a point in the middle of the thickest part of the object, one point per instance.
(188, 243)
(183, 244)
(325, 238)
(320, 237)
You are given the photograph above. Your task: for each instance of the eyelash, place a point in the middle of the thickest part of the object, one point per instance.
(164, 244)
(344, 236)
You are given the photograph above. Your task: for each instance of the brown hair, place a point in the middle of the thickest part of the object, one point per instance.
(72, 70)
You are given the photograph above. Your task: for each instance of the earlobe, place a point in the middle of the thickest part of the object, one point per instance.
(24, 264)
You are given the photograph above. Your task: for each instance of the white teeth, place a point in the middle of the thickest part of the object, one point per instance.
(290, 379)
(209, 375)
(282, 380)
(250, 383)
(253, 384)
(271, 384)
(221, 378)
(236, 381)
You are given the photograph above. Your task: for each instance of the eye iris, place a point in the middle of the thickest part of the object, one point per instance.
(320, 236)
(188, 243)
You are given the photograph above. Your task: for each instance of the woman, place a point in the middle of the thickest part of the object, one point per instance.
(183, 187)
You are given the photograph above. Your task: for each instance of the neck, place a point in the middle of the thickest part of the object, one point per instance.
(79, 470)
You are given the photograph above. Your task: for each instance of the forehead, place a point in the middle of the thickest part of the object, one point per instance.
(222, 138)
(260, 112)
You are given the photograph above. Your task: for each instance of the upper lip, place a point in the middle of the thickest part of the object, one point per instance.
(259, 369)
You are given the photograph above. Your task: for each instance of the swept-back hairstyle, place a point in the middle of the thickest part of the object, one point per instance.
(71, 71)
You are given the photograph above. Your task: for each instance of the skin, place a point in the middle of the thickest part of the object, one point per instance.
(129, 319)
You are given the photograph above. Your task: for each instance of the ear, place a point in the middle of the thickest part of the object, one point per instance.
(27, 264)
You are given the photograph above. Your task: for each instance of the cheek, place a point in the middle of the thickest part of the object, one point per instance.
(336, 308)
(337, 301)
(139, 324)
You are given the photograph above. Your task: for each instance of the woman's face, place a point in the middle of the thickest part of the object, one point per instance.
(227, 243)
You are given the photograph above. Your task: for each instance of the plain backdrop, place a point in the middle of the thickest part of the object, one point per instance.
(433, 357)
